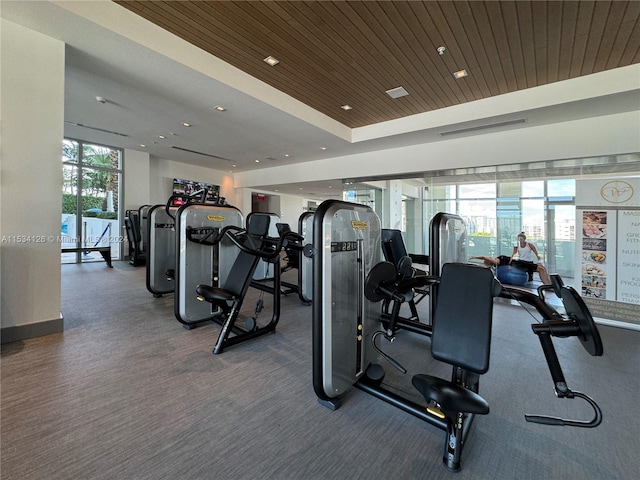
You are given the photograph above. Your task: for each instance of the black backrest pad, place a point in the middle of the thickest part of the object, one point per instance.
(258, 225)
(241, 273)
(393, 246)
(463, 316)
(283, 228)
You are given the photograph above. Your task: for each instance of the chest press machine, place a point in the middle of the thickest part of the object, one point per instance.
(227, 298)
(350, 279)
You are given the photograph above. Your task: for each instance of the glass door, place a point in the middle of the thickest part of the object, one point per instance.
(91, 194)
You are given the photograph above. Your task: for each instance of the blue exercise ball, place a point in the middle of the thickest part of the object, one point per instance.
(511, 275)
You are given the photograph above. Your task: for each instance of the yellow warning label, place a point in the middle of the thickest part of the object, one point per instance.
(216, 218)
(359, 224)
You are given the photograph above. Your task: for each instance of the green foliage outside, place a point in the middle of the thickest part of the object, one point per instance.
(88, 202)
(103, 215)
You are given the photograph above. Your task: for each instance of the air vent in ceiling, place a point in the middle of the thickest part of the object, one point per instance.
(483, 127)
(200, 153)
(397, 92)
(95, 128)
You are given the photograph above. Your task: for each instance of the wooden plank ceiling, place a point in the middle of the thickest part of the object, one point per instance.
(335, 53)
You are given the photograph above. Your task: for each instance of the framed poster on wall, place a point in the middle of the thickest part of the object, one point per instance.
(608, 247)
(597, 253)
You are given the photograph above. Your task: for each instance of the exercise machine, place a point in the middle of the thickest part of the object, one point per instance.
(161, 253)
(305, 270)
(295, 260)
(201, 256)
(395, 251)
(161, 240)
(349, 281)
(254, 245)
(447, 244)
(269, 279)
(136, 252)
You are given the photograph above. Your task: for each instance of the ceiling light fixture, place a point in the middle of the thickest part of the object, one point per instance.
(161, 136)
(186, 124)
(220, 108)
(273, 61)
(460, 74)
(441, 50)
(142, 145)
(323, 148)
(397, 92)
(257, 161)
(346, 107)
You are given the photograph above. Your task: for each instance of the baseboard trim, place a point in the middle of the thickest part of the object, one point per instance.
(31, 330)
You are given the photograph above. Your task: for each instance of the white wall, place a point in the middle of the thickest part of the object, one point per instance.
(590, 137)
(149, 180)
(291, 206)
(136, 179)
(32, 107)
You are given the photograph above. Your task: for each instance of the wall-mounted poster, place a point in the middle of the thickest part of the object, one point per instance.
(608, 247)
(628, 288)
(597, 254)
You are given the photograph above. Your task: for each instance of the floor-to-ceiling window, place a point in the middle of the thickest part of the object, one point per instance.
(498, 202)
(496, 212)
(91, 187)
(545, 200)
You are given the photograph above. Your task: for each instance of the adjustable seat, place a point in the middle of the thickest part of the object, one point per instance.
(228, 297)
(462, 338)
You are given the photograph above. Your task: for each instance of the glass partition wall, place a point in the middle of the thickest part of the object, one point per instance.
(500, 201)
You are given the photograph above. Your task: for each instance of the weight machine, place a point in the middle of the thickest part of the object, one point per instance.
(349, 281)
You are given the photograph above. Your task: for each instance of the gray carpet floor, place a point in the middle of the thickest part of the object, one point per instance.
(126, 393)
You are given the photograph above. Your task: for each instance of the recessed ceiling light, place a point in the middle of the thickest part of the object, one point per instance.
(397, 92)
(286, 155)
(220, 108)
(186, 124)
(346, 107)
(142, 145)
(323, 148)
(460, 74)
(161, 136)
(234, 165)
(273, 61)
(257, 161)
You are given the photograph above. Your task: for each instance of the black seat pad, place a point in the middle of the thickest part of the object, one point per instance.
(451, 397)
(214, 294)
